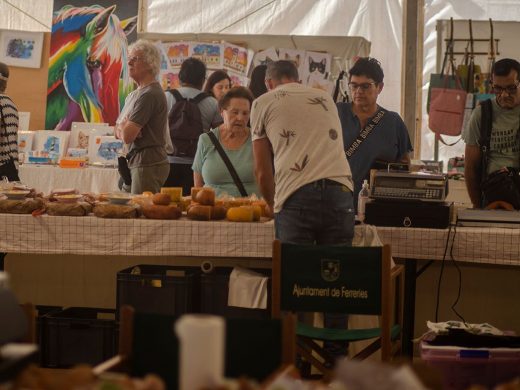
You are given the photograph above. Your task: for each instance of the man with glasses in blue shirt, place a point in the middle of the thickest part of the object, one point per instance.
(370, 132)
(504, 143)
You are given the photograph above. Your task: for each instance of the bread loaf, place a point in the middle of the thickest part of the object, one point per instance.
(161, 199)
(77, 209)
(218, 212)
(199, 213)
(23, 206)
(108, 210)
(154, 211)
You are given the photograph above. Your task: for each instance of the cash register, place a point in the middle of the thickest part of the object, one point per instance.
(409, 199)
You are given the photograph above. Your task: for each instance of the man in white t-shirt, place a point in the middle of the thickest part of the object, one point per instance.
(310, 191)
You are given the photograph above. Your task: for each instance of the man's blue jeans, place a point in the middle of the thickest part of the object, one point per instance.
(322, 213)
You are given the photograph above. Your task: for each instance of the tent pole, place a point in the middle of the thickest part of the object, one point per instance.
(413, 17)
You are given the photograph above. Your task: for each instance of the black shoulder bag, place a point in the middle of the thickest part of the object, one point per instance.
(365, 133)
(229, 166)
(503, 184)
(9, 168)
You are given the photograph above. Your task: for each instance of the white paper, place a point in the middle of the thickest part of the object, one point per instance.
(176, 52)
(247, 289)
(23, 120)
(265, 56)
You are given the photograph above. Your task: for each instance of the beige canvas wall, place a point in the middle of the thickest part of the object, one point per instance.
(28, 88)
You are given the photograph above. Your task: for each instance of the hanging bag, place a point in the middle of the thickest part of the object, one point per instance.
(447, 109)
(438, 80)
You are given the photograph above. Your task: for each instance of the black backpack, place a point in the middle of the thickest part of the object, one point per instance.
(185, 123)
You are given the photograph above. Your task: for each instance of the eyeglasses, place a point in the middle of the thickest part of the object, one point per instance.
(510, 89)
(363, 86)
(133, 59)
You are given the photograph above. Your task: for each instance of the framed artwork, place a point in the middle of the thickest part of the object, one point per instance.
(209, 53)
(237, 58)
(88, 78)
(25, 141)
(296, 56)
(104, 150)
(264, 56)
(81, 131)
(317, 67)
(238, 79)
(51, 142)
(176, 52)
(169, 79)
(21, 48)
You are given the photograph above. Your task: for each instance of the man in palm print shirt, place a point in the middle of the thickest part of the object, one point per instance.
(310, 191)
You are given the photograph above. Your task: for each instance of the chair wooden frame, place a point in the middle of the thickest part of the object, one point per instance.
(388, 335)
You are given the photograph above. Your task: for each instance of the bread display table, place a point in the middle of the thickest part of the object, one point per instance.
(45, 178)
(83, 254)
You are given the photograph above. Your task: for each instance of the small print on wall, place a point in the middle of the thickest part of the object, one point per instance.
(21, 48)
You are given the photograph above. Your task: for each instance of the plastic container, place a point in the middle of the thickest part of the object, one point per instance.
(159, 289)
(214, 288)
(363, 195)
(463, 367)
(77, 335)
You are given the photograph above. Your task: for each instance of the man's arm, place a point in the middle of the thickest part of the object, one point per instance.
(128, 131)
(264, 170)
(473, 173)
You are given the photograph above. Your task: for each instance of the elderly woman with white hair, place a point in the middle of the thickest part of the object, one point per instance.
(143, 121)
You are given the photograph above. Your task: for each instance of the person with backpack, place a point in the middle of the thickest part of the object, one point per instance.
(492, 154)
(191, 113)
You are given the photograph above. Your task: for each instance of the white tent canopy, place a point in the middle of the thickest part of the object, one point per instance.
(378, 21)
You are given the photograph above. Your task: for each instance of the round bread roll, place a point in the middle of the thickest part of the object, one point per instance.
(154, 211)
(194, 191)
(206, 196)
(199, 213)
(161, 199)
(218, 212)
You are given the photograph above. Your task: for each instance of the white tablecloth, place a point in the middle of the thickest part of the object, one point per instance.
(98, 236)
(45, 178)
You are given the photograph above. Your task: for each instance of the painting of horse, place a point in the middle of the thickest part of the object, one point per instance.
(88, 74)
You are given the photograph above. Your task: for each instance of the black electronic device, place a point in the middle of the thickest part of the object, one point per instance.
(408, 214)
(410, 186)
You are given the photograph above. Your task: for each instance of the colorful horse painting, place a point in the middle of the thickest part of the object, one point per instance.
(88, 74)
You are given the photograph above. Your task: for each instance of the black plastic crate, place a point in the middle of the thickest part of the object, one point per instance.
(42, 311)
(77, 335)
(214, 288)
(159, 289)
